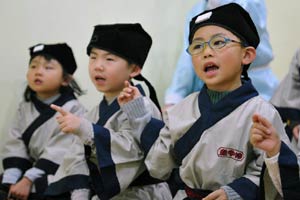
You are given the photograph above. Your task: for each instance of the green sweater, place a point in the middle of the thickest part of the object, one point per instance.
(216, 96)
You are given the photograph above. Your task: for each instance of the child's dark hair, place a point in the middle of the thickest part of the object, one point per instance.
(71, 87)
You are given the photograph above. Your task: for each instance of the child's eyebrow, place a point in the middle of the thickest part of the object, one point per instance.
(201, 39)
(93, 52)
(34, 62)
(197, 38)
(218, 34)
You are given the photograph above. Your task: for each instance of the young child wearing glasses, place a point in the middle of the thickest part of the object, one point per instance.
(206, 136)
(185, 80)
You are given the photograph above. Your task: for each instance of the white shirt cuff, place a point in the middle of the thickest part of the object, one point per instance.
(11, 175)
(271, 160)
(80, 194)
(34, 173)
(273, 170)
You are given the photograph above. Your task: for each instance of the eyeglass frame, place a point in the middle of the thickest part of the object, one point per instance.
(226, 41)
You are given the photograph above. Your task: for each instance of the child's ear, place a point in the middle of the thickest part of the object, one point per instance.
(136, 70)
(67, 80)
(249, 55)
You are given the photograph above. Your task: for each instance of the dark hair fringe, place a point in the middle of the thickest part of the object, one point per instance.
(48, 57)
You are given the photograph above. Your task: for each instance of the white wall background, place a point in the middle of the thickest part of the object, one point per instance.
(284, 30)
(25, 23)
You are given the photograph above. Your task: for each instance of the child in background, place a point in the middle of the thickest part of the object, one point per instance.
(207, 134)
(287, 101)
(112, 158)
(35, 146)
(280, 178)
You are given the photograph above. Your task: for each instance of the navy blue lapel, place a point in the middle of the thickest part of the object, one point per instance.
(46, 112)
(102, 143)
(210, 115)
(106, 183)
(289, 173)
(106, 111)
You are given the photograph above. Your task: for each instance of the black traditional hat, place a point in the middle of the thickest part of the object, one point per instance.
(129, 41)
(231, 17)
(61, 52)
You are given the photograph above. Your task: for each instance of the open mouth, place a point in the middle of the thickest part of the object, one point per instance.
(211, 68)
(38, 81)
(100, 79)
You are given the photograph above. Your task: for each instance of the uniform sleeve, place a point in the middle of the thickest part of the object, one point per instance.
(15, 153)
(11, 175)
(273, 169)
(289, 172)
(119, 154)
(34, 173)
(250, 181)
(142, 120)
(283, 171)
(80, 194)
(147, 125)
(72, 174)
(231, 194)
(294, 143)
(160, 159)
(58, 143)
(155, 139)
(85, 132)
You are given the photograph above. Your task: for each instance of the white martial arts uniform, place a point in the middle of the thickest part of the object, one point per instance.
(116, 159)
(35, 146)
(209, 143)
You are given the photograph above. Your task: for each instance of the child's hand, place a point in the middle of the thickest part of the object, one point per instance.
(68, 122)
(129, 93)
(264, 136)
(218, 194)
(20, 190)
(296, 130)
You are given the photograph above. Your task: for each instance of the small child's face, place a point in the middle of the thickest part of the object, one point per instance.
(108, 72)
(45, 77)
(220, 68)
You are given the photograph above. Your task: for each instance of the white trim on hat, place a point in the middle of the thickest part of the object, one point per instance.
(38, 48)
(203, 17)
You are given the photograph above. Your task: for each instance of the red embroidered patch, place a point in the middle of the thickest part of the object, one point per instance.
(230, 153)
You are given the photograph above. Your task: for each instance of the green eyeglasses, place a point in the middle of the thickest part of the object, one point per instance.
(216, 42)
